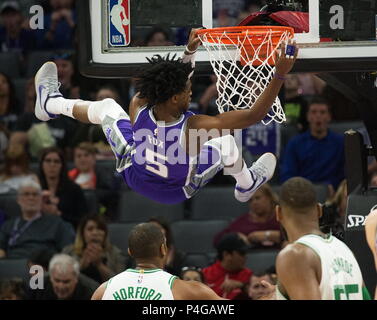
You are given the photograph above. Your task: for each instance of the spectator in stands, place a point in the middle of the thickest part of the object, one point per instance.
(84, 173)
(16, 169)
(318, 153)
(88, 176)
(13, 38)
(192, 274)
(174, 257)
(295, 104)
(158, 37)
(249, 8)
(99, 259)
(12, 289)
(258, 227)
(9, 108)
(224, 19)
(66, 74)
(60, 26)
(310, 84)
(64, 197)
(19, 236)
(257, 288)
(233, 7)
(228, 275)
(64, 281)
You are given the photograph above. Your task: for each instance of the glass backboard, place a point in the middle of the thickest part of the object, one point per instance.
(334, 35)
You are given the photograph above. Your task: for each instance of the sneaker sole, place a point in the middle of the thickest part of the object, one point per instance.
(244, 197)
(39, 112)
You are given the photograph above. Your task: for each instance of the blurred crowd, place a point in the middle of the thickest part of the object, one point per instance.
(48, 168)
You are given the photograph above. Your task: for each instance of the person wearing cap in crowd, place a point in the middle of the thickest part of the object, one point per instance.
(13, 38)
(228, 275)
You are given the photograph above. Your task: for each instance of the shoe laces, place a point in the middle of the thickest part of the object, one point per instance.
(259, 169)
(52, 85)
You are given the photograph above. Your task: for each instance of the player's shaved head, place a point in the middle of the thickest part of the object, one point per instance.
(298, 194)
(145, 240)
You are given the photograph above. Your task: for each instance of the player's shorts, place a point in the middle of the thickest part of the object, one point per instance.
(119, 134)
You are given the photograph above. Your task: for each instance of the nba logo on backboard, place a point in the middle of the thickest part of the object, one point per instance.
(119, 23)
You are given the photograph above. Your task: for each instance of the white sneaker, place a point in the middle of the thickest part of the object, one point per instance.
(46, 87)
(261, 171)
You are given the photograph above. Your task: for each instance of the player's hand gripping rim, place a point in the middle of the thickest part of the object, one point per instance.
(285, 58)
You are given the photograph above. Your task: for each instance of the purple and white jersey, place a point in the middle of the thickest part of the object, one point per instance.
(159, 157)
(153, 161)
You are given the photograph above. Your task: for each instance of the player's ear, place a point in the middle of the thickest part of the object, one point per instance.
(164, 250)
(319, 210)
(129, 252)
(278, 213)
(175, 98)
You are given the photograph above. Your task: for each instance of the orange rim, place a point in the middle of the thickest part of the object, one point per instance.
(254, 32)
(256, 36)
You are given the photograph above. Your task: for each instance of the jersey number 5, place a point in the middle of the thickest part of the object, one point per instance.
(152, 157)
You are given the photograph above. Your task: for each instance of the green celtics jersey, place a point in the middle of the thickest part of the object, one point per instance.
(139, 284)
(341, 275)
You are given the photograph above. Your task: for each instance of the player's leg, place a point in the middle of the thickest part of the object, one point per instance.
(248, 180)
(114, 120)
(50, 103)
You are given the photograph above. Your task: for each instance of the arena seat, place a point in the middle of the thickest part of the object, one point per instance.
(108, 165)
(134, 207)
(91, 200)
(342, 126)
(118, 234)
(20, 89)
(196, 260)
(9, 205)
(196, 236)
(258, 260)
(9, 64)
(13, 268)
(216, 203)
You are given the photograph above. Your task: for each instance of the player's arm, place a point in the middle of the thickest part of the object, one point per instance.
(298, 270)
(241, 119)
(370, 233)
(98, 294)
(135, 104)
(193, 290)
(192, 45)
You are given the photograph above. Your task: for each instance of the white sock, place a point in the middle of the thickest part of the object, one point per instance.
(243, 178)
(61, 105)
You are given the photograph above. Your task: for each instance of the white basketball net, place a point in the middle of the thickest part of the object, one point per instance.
(239, 86)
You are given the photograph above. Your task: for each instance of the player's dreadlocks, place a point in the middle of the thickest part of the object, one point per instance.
(162, 78)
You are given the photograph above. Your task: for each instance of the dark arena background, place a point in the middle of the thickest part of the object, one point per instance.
(79, 204)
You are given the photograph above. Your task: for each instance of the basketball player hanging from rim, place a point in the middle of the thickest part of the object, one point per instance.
(162, 168)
